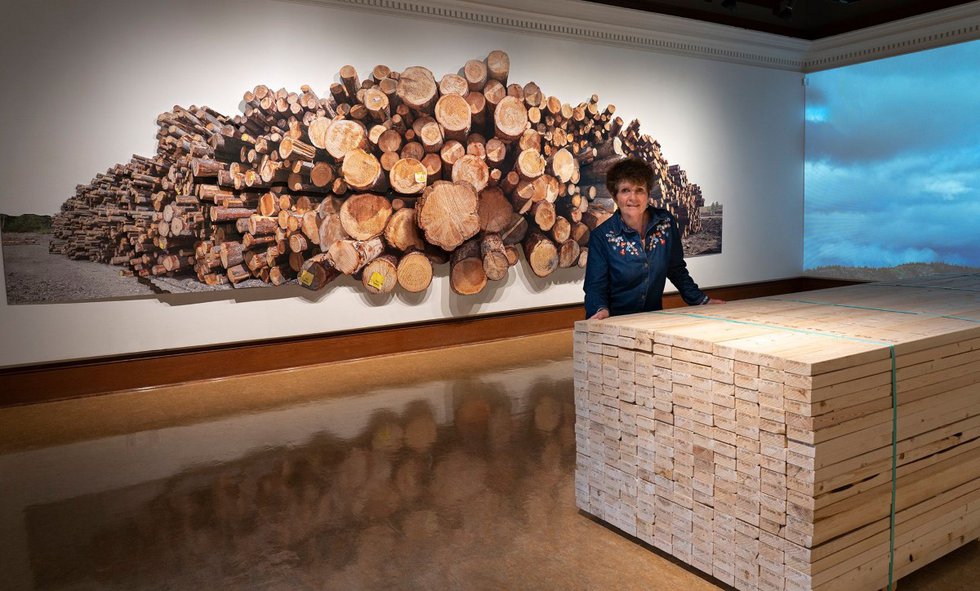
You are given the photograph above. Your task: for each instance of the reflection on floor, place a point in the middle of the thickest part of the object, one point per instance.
(439, 470)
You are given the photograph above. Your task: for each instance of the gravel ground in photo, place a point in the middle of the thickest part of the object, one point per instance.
(35, 276)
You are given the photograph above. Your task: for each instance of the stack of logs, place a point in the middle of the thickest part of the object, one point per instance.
(380, 180)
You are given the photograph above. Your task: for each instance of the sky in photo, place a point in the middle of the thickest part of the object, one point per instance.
(893, 161)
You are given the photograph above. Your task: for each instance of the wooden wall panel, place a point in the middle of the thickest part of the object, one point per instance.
(72, 379)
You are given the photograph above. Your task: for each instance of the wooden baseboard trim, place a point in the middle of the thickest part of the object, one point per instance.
(59, 381)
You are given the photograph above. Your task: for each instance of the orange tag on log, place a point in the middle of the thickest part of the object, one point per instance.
(377, 280)
(306, 279)
(420, 177)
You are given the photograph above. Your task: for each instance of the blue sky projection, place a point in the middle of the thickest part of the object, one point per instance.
(892, 172)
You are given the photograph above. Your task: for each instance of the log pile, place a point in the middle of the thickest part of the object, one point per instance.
(381, 178)
(754, 441)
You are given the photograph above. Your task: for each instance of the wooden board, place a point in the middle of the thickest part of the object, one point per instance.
(754, 440)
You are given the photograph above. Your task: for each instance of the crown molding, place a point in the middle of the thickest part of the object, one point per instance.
(607, 25)
(634, 29)
(917, 33)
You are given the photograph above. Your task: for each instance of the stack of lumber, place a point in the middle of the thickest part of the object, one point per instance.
(381, 178)
(754, 440)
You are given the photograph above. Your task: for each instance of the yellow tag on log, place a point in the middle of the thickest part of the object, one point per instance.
(306, 278)
(420, 177)
(377, 280)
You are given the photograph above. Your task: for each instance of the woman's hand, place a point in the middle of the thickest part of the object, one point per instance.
(602, 314)
(715, 301)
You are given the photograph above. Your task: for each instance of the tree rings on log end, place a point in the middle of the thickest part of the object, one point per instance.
(468, 277)
(447, 213)
(541, 254)
(365, 215)
(381, 274)
(344, 136)
(414, 272)
(417, 88)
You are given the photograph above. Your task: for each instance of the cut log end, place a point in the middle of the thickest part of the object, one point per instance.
(414, 272)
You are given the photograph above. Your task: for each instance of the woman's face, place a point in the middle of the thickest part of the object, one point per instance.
(631, 198)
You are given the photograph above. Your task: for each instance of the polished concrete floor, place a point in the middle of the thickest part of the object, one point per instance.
(438, 470)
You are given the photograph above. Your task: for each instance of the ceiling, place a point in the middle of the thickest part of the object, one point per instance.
(803, 19)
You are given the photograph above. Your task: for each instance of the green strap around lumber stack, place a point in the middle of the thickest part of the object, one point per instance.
(891, 550)
(891, 352)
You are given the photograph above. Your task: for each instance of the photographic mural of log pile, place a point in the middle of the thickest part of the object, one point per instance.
(387, 176)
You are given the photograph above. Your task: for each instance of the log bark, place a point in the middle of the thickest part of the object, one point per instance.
(448, 213)
(350, 80)
(237, 273)
(414, 272)
(316, 272)
(228, 214)
(259, 225)
(350, 256)
(568, 254)
(494, 254)
(294, 149)
(364, 216)
(516, 230)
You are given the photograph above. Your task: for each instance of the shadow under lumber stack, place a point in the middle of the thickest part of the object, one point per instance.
(382, 179)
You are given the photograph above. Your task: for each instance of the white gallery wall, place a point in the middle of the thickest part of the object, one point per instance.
(83, 83)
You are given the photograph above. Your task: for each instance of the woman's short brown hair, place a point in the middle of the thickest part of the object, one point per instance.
(630, 169)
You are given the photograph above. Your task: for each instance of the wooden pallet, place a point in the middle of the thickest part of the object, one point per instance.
(754, 441)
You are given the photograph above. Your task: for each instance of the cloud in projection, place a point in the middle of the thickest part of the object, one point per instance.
(892, 171)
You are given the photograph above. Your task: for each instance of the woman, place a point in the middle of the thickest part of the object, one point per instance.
(633, 253)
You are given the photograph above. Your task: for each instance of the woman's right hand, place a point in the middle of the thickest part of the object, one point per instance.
(602, 314)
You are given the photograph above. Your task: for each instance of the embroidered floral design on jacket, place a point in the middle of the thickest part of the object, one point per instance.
(659, 235)
(621, 244)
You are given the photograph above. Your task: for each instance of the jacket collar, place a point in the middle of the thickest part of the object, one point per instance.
(656, 214)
